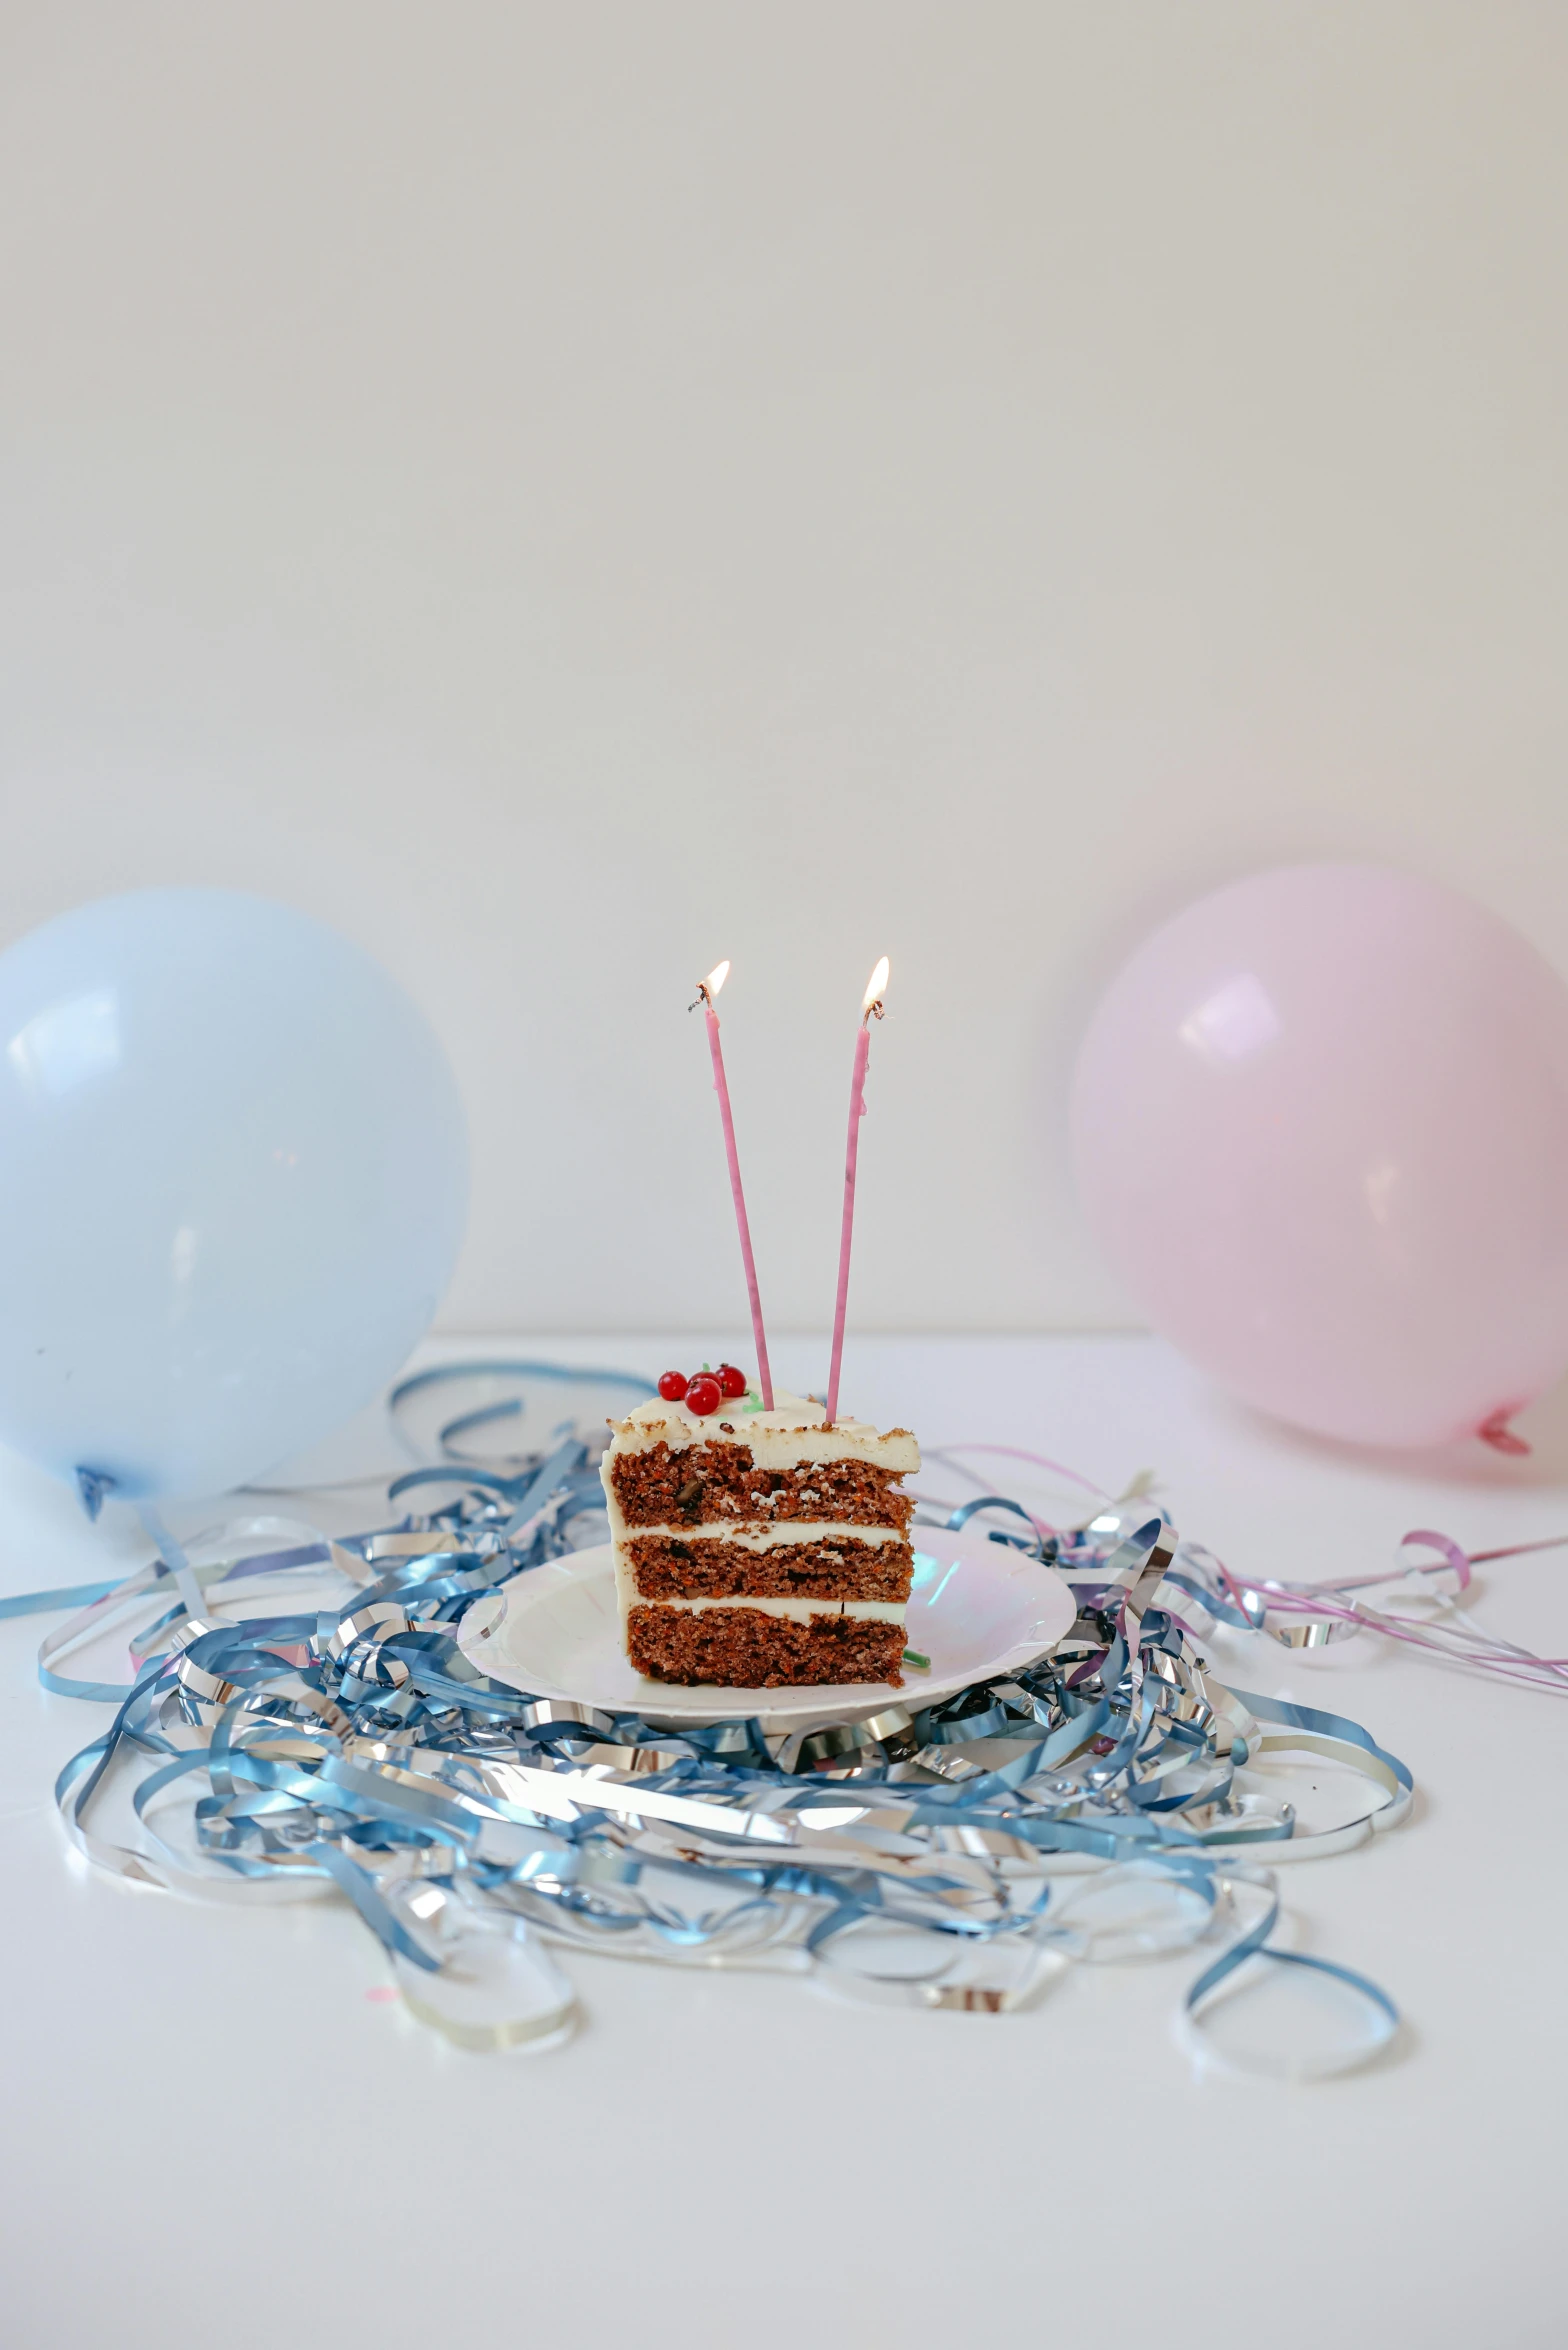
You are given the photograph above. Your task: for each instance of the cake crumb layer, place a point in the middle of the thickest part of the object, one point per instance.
(703, 1483)
(836, 1568)
(741, 1648)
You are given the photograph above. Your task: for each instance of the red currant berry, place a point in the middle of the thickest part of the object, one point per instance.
(704, 1394)
(731, 1381)
(673, 1386)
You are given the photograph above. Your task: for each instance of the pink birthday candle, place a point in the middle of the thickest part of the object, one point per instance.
(707, 989)
(869, 1010)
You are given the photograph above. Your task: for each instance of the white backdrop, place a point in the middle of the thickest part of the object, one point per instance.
(569, 493)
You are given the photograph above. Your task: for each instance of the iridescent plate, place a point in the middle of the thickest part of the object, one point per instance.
(978, 1608)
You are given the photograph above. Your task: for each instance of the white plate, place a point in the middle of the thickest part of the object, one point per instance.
(977, 1608)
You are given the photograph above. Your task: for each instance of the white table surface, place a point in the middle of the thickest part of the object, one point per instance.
(212, 2133)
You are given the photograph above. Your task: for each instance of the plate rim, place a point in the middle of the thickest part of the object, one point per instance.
(802, 1704)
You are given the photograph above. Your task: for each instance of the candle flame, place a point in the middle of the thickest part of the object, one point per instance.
(877, 983)
(715, 980)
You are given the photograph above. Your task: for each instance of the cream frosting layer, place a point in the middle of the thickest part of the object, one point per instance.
(747, 1534)
(800, 1611)
(794, 1432)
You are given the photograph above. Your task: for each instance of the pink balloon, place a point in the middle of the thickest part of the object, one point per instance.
(1321, 1130)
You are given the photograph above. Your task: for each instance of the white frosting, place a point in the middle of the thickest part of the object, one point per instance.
(800, 1611)
(789, 1534)
(794, 1431)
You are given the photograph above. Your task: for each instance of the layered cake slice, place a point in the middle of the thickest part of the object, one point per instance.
(758, 1549)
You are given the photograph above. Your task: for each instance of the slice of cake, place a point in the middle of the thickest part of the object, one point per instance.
(758, 1549)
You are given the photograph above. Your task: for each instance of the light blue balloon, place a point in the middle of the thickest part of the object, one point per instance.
(233, 1181)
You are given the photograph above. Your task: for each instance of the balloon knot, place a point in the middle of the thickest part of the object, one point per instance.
(1500, 1436)
(92, 1485)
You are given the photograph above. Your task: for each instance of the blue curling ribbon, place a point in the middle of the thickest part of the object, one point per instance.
(49, 1603)
(358, 1749)
(1253, 1945)
(1000, 1501)
(1338, 1727)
